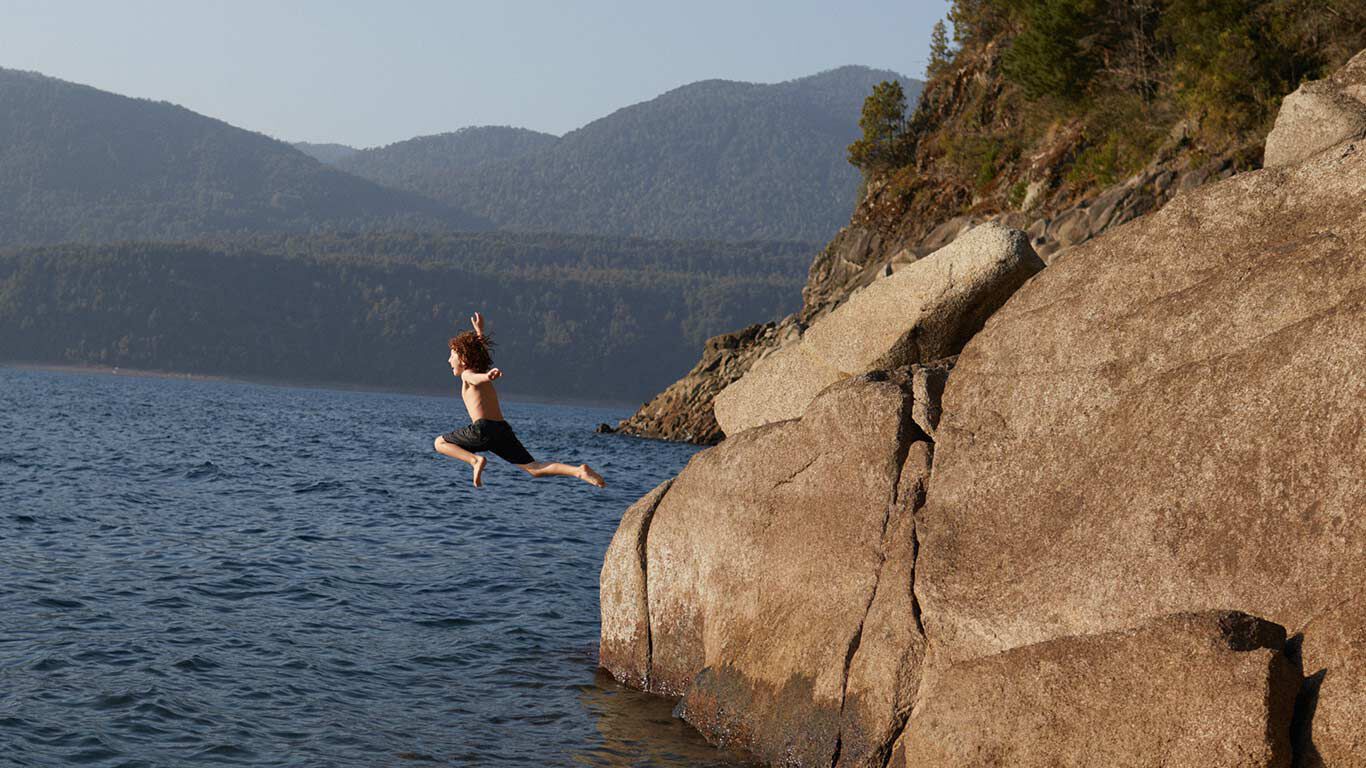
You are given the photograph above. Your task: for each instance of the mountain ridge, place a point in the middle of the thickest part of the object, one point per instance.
(83, 164)
(713, 159)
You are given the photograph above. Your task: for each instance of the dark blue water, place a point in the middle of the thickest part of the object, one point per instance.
(207, 572)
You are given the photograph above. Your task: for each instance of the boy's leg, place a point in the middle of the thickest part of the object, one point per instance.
(456, 452)
(556, 469)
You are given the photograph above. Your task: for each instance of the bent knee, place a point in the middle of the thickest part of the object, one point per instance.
(438, 442)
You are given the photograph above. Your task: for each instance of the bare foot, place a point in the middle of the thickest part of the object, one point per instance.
(587, 475)
(479, 462)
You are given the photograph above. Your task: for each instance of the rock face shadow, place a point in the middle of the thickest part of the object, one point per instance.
(1306, 704)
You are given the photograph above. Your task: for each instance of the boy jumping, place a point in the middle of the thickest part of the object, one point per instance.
(470, 360)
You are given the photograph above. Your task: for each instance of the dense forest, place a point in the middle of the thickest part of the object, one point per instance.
(1040, 103)
(78, 163)
(589, 317)
(432, 165)
(715, 159)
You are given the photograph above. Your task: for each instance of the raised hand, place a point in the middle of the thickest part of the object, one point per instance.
(494, 373)
(478, 322)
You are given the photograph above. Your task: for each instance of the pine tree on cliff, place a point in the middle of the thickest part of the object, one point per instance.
(884, 125)
(941, 55)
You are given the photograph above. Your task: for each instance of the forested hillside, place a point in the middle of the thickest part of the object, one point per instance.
(77, 163)
(1038, 104)
(434, 165)
(1062, 118)
(591, 317)
(715, 159)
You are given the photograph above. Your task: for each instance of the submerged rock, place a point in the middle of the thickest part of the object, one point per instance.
(1209, 690)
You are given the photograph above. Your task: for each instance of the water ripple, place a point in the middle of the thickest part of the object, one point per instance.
(312, 586)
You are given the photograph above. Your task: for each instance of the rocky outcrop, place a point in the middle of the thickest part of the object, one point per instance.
(683, 412)
(1186, 691)
(926, 311)
(624, 649)
(1117, 443)
(777, 387)
(775, 574)
(1165, 426)
(861, 255)
(1320, 114)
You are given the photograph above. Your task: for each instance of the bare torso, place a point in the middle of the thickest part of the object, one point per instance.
(481, 400)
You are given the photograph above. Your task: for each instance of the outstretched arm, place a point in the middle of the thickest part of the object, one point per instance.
(478, 322)
(471, 377)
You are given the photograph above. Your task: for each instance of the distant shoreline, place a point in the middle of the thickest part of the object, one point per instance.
(108, 370)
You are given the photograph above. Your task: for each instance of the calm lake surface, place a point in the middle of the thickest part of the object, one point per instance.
(212, 572)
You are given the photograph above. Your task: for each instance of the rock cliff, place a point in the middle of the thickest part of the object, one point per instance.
(890, 230)
(1128, 533)
(925, 312)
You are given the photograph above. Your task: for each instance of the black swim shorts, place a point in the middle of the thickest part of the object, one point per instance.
(489, 435)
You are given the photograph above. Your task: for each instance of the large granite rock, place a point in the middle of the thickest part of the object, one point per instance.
(1170, 418)
(857, 257)
(1207, 690)
(885, 667)
(624, 647)
(778, 386)
(1320, 114)
(766, 580)
(930, 308)
(926, 310)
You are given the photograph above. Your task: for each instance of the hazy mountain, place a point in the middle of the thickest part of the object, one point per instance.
(427, 164)
(77, 163)
(714, 159)
(326, 153)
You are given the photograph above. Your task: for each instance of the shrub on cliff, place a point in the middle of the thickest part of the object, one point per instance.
(1071, 96)
(883, 122)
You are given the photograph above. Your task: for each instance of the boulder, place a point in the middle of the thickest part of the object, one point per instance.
(624, 645)
(1171, 418)
(777, 387)
(1199, 690)
(1319, 115)
(777, 572)
(927, 310)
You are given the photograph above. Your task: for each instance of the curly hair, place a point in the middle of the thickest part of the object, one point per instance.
(474, 351)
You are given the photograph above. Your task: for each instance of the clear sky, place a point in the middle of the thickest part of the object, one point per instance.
(371, 73)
